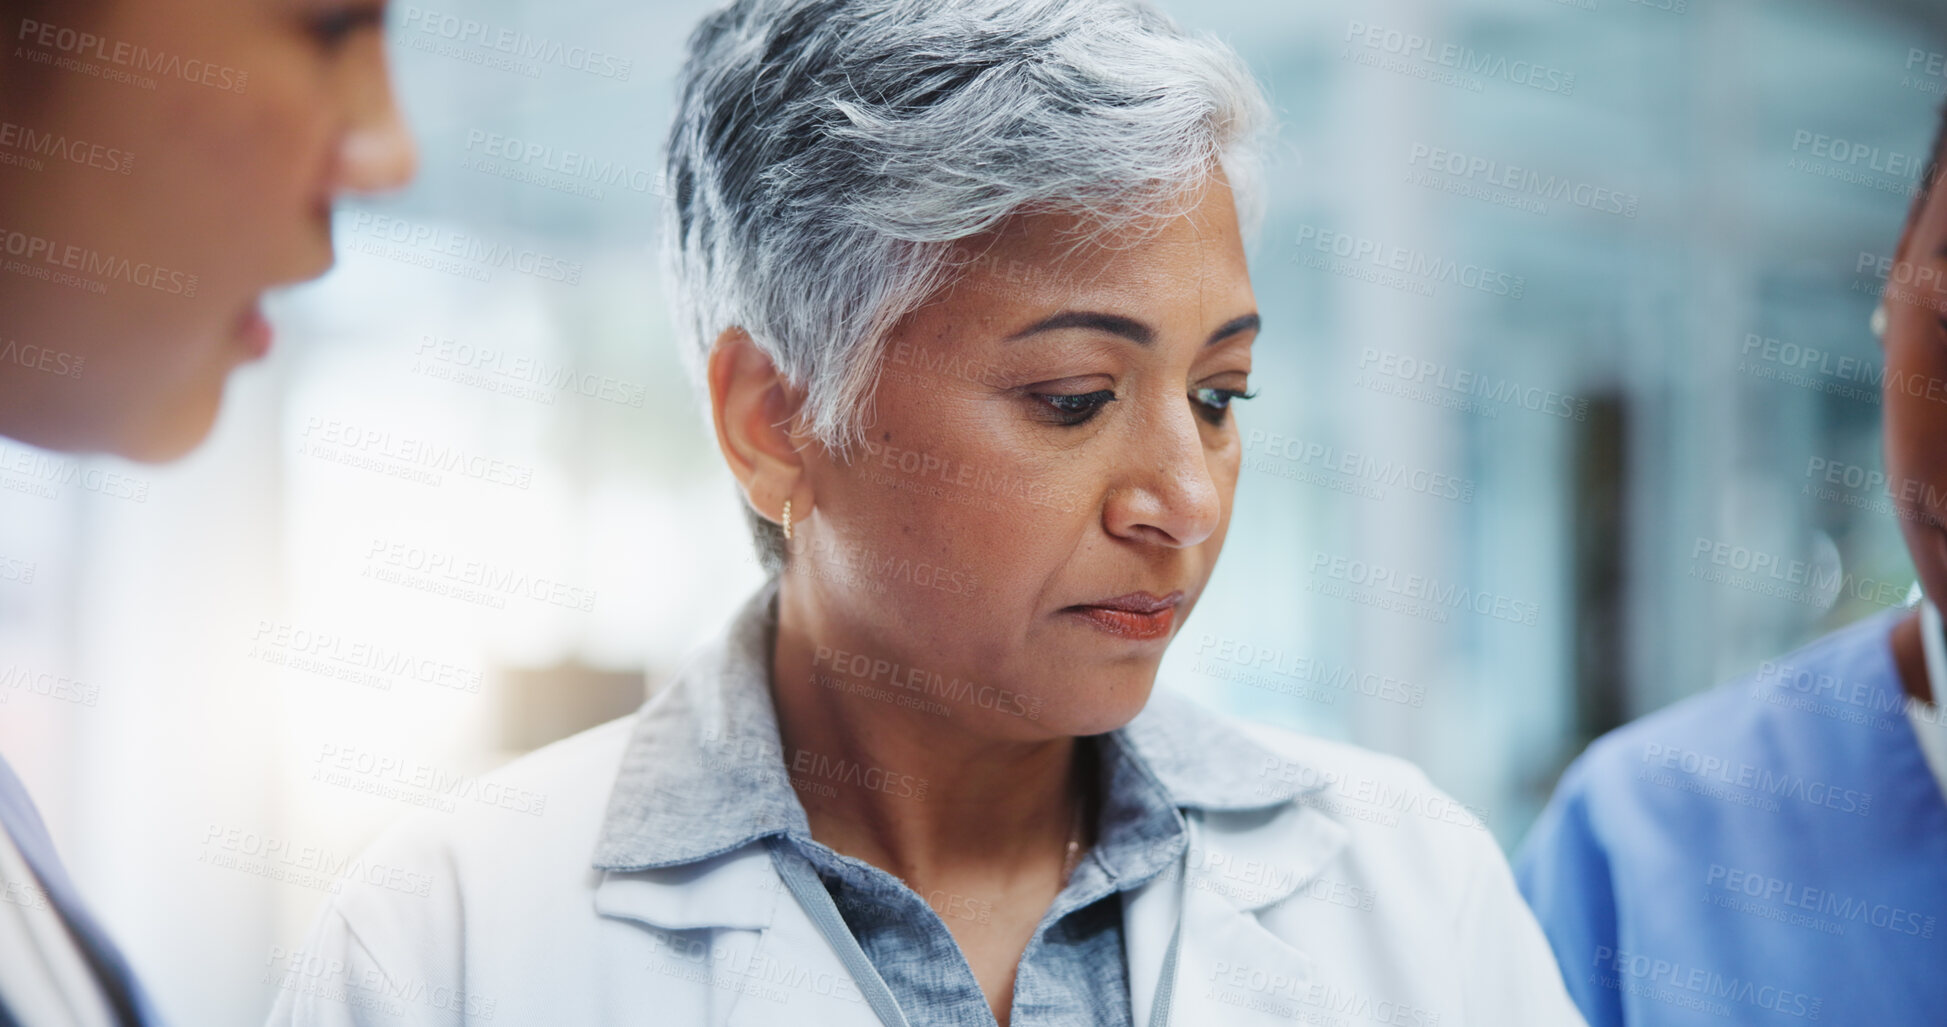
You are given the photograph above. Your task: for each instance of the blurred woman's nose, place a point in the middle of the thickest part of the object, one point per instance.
(376, 152)
(1167, 494)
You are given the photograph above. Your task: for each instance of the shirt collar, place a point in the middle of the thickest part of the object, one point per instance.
(704, 771)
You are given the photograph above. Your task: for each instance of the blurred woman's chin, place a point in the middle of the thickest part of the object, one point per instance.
(170, 434)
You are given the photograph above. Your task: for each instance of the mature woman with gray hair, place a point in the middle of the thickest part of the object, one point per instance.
(965, 286)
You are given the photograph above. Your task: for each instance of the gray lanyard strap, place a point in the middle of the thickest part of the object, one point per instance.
(1159, 1010)
(1159, 1013)
(818, 904)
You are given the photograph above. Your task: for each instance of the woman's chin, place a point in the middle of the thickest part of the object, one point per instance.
(1106, 713)
(170, 434)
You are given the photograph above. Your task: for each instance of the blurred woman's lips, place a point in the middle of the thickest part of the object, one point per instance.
(1138, 615)
(253, 330)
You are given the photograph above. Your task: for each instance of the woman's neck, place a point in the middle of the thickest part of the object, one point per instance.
(923, 795)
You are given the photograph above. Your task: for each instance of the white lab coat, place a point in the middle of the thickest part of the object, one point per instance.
(1370, 897)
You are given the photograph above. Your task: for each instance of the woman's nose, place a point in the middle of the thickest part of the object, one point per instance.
(1167, 495)
(376, 152)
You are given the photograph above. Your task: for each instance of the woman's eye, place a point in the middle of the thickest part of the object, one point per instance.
(1215, 403)
(332, 28)
(1075, 408)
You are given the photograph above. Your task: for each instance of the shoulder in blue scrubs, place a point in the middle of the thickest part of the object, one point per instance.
(1772, 851)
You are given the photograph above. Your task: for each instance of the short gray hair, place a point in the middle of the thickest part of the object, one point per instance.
(826, 154)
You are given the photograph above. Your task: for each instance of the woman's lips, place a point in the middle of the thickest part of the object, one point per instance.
(253, 331)
(1128, 623)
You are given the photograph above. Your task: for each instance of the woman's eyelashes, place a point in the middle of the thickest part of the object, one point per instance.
(332, 28)
(1072, 409)
(1214, 404)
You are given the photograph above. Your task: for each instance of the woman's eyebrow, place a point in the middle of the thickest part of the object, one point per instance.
(1245, 323)
(1127, 327)
(1114, 324)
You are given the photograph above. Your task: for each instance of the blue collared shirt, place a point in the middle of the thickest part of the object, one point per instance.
(706, 774)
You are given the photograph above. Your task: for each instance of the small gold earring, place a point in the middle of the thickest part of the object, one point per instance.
(787, 520)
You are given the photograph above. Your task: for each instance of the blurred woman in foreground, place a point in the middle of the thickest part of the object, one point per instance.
(1777, 846)
(161, 165)
(966, 284)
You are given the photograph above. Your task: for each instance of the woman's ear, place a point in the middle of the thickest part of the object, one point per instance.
(755, 411)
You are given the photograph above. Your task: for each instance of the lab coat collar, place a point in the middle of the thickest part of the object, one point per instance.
(703, 777)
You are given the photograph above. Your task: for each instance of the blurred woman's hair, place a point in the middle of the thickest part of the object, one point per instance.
(826, 155)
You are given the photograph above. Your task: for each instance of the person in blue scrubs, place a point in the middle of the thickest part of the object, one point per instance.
(1774, 851)
(144, 207)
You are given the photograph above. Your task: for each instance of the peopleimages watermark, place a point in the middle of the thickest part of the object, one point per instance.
(923, 472)
(1819, 909)
(1694, 987)
(1926, 70)
(409, 458)
(1400, 267)
(36, 473)
(1847, 700)
(119, 60)
(47, 685)
(330, 654)
(1416, 595)
(86, 269)
(310, 866)
(1843, 160)
(458, 577)
(1317, 463)
(1307, 1000)
(519, 376)
(1363, 797)
(1901, 281)
(460, 254)
(1747, 784)
(1810, 583)
(864, 668)
(521, 51)
(1276, 669)
(1868, 488)
(748, 757)
(26, 147)
(1433, 381)
(17, 571)
(370, 987)
(59, 363)
(859, 565)
(1512, 185)
(407, 780)
(1418, 56)
(1820, 370)
(562, 170)
(742, 967)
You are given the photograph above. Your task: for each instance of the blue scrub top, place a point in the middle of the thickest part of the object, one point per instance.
(1773, 851)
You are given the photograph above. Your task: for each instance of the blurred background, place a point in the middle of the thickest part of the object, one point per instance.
(1565, 310)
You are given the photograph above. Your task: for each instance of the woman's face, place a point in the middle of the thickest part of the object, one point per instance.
(1050, 432)
(1915, 391)
(204, 142)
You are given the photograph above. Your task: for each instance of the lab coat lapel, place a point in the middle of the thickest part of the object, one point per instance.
(728, 929)
(1230, 969)
(801, 980)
